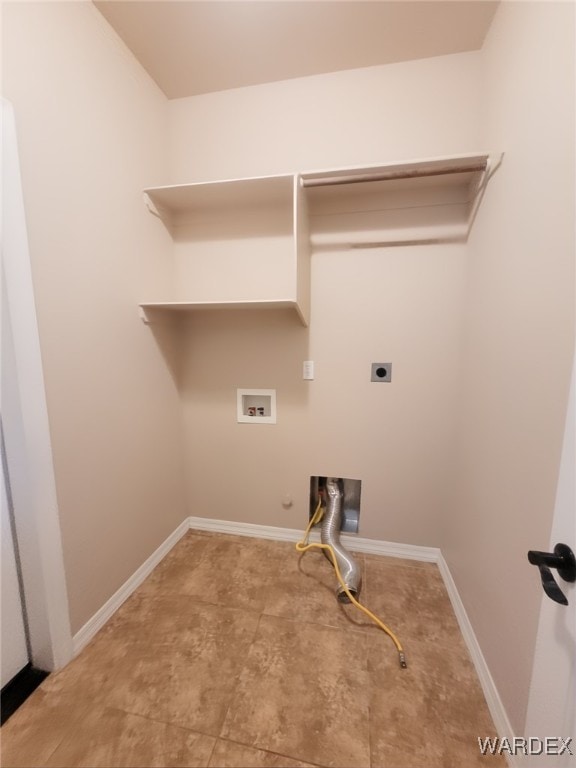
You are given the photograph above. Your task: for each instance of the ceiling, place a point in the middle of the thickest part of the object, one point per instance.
(191, 47)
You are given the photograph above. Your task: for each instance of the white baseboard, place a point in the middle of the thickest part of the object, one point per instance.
(93, 625)
(355, 544)
(493, 700)
(350, 541)
(244, 529)
(390, 549)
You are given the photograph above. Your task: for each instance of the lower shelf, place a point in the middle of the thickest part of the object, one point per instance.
(148, 309)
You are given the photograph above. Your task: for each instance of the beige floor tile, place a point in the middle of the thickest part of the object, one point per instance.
(235, 652)
(89, 676)
(413, 602)
(303, 693)
(110, 737)
(222, 570)
(37, 728)
(305, 590)
(171, 659)
(175, 619)
(183, 660)
(428, 715)
(458, 750)
(228, 754)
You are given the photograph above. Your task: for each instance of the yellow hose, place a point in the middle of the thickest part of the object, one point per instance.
(304, 546)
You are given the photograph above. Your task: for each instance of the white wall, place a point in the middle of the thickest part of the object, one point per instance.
(519, 338)
(92, 133)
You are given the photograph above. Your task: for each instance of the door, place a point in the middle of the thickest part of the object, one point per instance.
(14, 648)
(25, 424)
(552, 702)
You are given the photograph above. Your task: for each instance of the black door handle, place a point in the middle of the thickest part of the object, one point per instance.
(565, 563)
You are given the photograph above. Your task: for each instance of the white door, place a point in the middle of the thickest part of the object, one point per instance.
(14, 650)
(552, 703)
(26, 427)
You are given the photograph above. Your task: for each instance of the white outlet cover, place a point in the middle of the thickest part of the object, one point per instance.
(308, 370)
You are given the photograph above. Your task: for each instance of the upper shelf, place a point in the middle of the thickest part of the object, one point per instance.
(173, 203)
(417, 202)
(414, 169)
(350, 207)
(427, 201)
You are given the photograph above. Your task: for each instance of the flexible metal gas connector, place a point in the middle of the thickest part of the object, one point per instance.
(304, 546)
(330, 534)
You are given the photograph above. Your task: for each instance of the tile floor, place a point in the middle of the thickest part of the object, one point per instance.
(235, 652)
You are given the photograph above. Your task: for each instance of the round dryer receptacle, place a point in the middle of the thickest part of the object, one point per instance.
(381, 372)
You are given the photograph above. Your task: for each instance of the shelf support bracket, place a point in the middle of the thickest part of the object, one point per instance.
(150, 205)
(492, 164)
(143, 315)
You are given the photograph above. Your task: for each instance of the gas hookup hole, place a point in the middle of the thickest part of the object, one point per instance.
(351, 490)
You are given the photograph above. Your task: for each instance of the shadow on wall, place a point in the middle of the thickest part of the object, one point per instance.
(167, 330)
(210, 351)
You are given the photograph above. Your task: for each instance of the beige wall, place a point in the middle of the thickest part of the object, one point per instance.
(518, 343)
(92, 133)
(401, 305)
(387, 113)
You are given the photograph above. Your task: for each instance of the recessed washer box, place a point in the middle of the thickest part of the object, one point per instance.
(256, 406)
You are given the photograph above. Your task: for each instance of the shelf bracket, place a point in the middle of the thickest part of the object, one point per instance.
(492, 164)
(143, 315)
(150, 205)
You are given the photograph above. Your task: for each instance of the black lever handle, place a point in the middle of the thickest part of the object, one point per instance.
(563, 560)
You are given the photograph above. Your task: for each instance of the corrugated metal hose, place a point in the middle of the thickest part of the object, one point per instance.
(346, 569)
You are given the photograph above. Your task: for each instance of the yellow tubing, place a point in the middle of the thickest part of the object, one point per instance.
(304, 546)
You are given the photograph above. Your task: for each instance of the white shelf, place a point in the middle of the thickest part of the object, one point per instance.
(180, 201)
(424, 201)
(196, 306)
(239, 242)
(234, 244)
